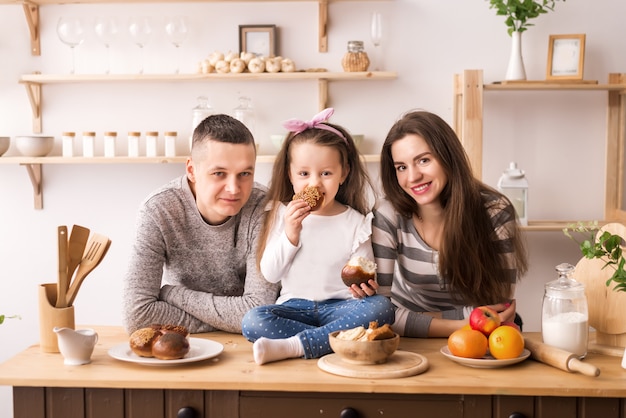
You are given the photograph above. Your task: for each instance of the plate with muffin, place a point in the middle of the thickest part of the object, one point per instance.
(165, 345)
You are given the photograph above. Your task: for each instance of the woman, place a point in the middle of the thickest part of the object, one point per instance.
(444, 241)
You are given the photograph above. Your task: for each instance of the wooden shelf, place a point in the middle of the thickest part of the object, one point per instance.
(34, 82)
(34, 165)
(468, 124)
(31, 12)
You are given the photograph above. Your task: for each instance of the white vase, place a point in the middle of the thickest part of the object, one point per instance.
(624, 359)
(515, 70)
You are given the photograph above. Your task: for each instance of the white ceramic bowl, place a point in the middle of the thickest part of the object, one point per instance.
(5, 141)
(34, 146)
(364, 352)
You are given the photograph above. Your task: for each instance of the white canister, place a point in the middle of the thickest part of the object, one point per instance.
(109, 143)
(133, 144)
(67, 140)
(170, 144)
(89, 144)
(152, 139)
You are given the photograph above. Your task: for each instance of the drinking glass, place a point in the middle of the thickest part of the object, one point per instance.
(106, 29)
(140, 30)
(376, 34)
(177, 30)
(71, 31)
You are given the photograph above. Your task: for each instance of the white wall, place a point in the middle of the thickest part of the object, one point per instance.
(556, 137)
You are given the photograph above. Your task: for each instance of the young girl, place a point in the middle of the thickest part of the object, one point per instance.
(305, 250)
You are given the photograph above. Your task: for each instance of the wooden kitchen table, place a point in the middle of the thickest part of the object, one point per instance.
(231, 385)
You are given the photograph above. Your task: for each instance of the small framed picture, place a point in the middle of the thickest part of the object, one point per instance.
(566, 57)
(258, 39)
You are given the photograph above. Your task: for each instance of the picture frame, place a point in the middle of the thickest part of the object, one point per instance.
(258, 39)
(566, 57)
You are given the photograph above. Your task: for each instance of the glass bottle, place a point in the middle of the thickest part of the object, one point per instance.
(514, 185)
(356, 58)
(244, 113)
(202, 110)
(564, 316)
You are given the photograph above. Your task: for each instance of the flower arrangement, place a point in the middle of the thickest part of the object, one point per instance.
(606, 247)
(519, 12)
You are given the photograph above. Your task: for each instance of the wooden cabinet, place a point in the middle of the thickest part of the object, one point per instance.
(469, 90)
(32, 402)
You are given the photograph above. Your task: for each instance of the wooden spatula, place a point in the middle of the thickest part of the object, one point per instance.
(95, 251)
(63, 279)
(78, 241)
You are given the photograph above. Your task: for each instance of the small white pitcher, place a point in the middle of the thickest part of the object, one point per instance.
(76, 346)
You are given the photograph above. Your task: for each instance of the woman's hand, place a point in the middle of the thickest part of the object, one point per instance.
(364, 290)
(296, 211)
(506, 310)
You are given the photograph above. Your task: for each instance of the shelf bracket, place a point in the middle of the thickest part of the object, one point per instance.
(31, 11)
(36, 179)
(34, 96)
(323, 25)
(322, 87)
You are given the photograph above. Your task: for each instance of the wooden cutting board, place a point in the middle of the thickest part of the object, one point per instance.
(607, 308)
(400, 364)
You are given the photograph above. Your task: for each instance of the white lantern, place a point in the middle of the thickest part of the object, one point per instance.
(513, 184)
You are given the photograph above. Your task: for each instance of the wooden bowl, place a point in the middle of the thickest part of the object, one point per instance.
(363, 352)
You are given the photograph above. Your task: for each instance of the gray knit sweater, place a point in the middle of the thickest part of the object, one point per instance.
(184, 271)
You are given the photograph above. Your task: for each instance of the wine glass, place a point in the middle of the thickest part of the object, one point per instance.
(71, 31)
(140, 30)
(106, 29)
(376, 34)
(176, 29)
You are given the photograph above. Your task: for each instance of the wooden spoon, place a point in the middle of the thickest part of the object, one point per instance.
(78, 242)
(63, 280)
(95, 251)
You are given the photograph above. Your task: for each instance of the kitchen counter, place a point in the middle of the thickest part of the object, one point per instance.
(234, 378)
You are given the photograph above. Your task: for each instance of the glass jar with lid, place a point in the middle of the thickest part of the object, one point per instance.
(564, 316)
(244, 113)
(200, 112)
(356, 58)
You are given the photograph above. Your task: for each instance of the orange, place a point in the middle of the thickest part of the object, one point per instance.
(466, 326)
(468, 343)
(506, 342)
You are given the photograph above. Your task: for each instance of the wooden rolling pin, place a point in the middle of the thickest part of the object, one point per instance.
(559, 358)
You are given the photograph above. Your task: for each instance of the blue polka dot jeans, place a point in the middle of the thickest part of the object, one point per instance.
(312, 321)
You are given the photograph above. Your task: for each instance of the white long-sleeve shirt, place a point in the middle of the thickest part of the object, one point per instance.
(312, 269)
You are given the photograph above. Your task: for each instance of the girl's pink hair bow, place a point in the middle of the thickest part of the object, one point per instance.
(296, 126)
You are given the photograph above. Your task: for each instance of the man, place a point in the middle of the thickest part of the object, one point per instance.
(198, 235)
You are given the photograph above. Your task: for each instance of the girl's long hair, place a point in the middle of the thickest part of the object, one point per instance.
(354, 192)
(471, 258)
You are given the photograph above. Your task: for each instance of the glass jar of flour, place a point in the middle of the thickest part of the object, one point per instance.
(565, 317)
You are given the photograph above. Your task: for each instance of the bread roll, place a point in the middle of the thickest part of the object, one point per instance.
(311, 195)
(165, 342)
(141, 341)
(170, 346)
(358, 270)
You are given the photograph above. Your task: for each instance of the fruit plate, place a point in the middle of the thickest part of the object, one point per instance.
(487, 362)
(199, 349)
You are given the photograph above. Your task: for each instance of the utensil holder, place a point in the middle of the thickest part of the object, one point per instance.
(50, 317)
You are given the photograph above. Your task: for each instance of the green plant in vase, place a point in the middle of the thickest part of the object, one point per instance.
(606, 247)
(519, 14)
(3, 317)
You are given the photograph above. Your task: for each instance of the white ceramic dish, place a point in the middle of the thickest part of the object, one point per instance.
(34, 146)
(199, 349)
(487, 362)
(5, 142)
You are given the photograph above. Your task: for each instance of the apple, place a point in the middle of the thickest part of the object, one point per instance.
(484, 319)
(510, 324)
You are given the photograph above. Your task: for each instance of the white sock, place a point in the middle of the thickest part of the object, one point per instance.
(266, 350)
